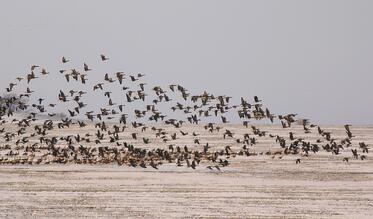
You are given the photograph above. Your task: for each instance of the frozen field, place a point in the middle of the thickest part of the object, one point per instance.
(321, 186)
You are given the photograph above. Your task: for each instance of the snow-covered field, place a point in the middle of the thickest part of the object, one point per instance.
(321, 186)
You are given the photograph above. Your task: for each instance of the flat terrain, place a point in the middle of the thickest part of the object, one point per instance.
(321, 186)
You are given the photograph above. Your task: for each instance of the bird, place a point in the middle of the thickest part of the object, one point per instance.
(31, 76)
(44, 71)
(256, 99)
(120, 77)
(11, 86)
(103, 57)
(64, 60)
(123, 119)
(86, 68)
(33, 67)
(98, 86)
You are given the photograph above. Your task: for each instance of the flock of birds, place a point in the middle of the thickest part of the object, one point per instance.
(38, 137)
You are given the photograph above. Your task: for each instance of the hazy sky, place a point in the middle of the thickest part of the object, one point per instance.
(314, 58)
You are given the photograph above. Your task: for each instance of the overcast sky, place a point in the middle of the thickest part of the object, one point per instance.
(314, 58)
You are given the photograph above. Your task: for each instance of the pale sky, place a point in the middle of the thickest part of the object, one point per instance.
(314, 58)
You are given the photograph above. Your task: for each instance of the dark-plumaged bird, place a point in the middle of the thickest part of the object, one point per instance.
(86, 68)
(64, 60)
(103, 57)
